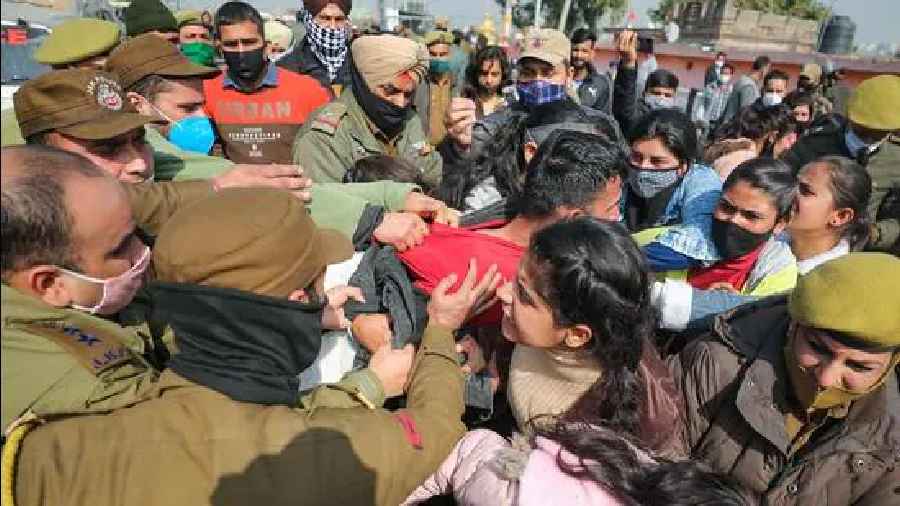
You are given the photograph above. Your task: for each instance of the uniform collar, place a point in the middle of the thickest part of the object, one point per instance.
(270, 79)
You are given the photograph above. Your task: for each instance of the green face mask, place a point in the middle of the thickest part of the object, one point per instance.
(807, 390)
(199, 53)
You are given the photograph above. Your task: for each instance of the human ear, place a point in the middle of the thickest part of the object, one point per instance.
(141, 105)
(47, 282)
(299, 296)
(841, 217)
(577, 336)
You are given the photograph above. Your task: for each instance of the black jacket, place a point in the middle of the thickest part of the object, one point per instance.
(595, 91)
(302, 61)
(627, 108)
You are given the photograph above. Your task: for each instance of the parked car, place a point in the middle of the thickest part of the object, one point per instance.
(19, 40)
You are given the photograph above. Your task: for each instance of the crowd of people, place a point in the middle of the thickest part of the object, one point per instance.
(246, 264)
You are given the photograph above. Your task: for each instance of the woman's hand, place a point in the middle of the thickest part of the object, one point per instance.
(333, 315)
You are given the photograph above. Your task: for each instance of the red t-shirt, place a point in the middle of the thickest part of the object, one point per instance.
(447, 250)
(734, 271)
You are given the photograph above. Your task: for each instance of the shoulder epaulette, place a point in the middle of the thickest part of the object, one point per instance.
(329, 118)
(93, 349)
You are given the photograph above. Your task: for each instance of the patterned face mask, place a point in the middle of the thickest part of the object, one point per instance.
(328, 44)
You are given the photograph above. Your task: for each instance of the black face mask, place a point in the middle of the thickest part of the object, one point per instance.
(388, 117)
(733, 241)
(245, 67)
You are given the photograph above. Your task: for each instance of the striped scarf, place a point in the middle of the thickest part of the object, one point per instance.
(328, 44)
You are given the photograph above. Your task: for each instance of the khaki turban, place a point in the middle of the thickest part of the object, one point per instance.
(279, 33)
(380, 58)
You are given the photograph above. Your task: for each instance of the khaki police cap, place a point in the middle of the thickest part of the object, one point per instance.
(83, 103)
(855, 295)
(149, 54)
(438, 37)
(547, 45)
(812, 71)
(189, 17)
(75, 40)
(875, 103)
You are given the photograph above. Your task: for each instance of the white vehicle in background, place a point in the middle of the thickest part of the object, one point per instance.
(19, 40)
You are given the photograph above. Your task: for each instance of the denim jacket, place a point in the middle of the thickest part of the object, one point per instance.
(688, 215)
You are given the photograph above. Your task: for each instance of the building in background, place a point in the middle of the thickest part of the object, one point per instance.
(720, 24)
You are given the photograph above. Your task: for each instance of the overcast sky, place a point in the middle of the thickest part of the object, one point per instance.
(877, 20)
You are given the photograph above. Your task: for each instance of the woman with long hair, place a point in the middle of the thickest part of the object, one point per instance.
(485, 78)
(591, 394)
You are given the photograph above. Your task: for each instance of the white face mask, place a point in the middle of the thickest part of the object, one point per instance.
(770, 99)
(724, 79)
(659, 102)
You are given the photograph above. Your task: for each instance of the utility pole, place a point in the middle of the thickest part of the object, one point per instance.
(537, 13)
(564, 15)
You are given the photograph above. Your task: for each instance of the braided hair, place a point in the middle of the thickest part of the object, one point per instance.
(591, 272)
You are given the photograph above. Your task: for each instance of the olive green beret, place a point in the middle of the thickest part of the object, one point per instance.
(77, 39)
(438, 37)
(857, 294)
(874, 103)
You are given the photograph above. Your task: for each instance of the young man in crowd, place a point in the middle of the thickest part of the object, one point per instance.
(714, 71)
(810, 82)
(374, 117)
(775, 88)
(195, 38)
(714, 98)
(746, 88)
(543, 81)
(593, 88)
(257, 107)
(323, 52)
(659, 92)
(151, 16)
(434, 94)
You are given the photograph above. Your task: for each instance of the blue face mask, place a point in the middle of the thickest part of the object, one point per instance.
(439, 66)
(194, 133)
(540, 92)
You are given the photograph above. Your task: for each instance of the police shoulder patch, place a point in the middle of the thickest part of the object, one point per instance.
(329, 118)
(94, 349)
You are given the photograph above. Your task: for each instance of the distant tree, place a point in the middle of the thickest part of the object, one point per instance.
(581, 12)
(662, 10)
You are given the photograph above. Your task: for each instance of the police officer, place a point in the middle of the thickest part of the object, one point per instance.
(59, 351)
(374, 117)
(75, 43)
(869, 136)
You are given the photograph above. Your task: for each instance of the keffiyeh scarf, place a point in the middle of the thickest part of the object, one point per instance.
(328, 44)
